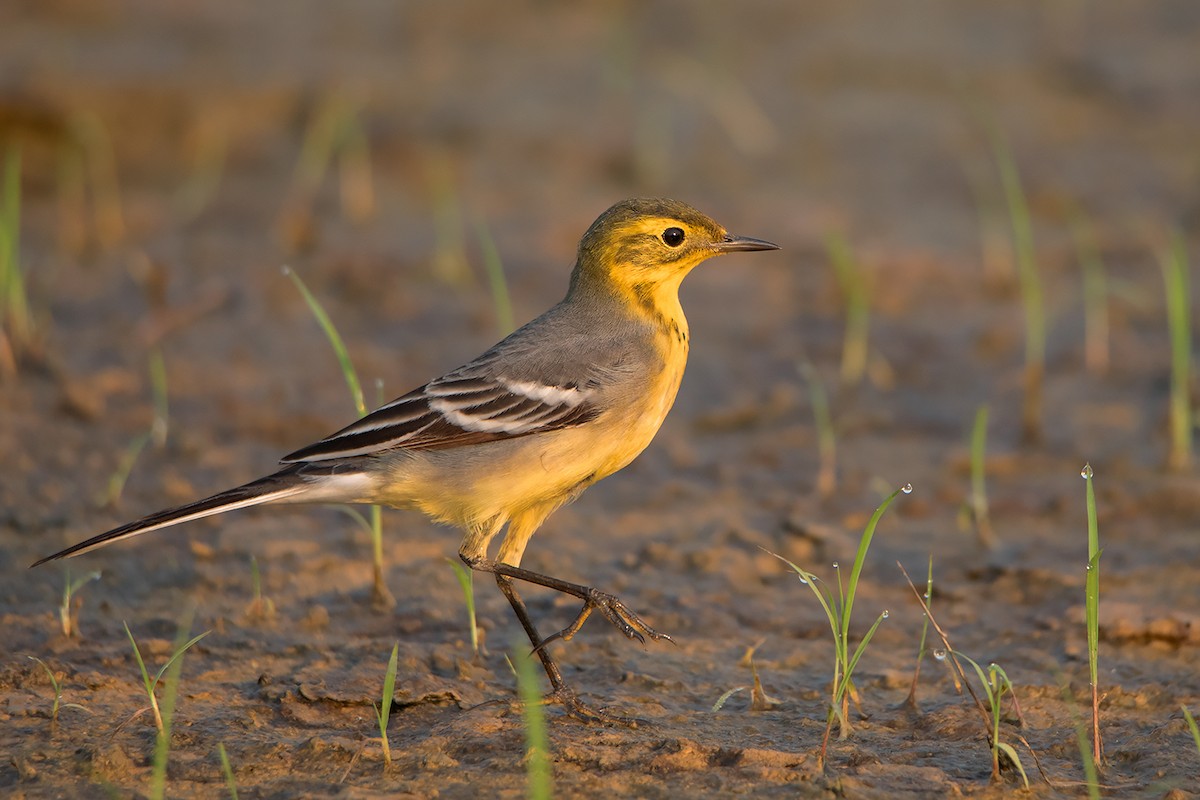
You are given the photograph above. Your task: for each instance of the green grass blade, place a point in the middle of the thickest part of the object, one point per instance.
(166, 708)
(496, 279)
(1092, 588)
(14, 303)
(466, 580)
(1091, 774)
(335, 341)
(177, 655)
(120, 476)
(1011, 752)
(1095, 296)
(539, 775)
(928, 602)
(826, 439)
(854, 288)
(979, 501)
(861, 556)
(810, 580)
(158, 391)
(141, 664)
(384, 712)
(983, 680)
(357, 516)
(862, 646)
(1031, 283)
(227, 771)
(1176, 282)
(1191, 723)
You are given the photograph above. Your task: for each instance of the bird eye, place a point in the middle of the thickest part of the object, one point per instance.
(673, 237)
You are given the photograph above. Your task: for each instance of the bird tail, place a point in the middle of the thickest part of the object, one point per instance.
(294, 483)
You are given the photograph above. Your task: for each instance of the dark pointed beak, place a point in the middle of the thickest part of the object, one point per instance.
(739, 244)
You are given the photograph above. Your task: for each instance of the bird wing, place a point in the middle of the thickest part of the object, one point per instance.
(468, 406)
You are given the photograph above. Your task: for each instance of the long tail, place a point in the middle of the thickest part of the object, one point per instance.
(294, 483)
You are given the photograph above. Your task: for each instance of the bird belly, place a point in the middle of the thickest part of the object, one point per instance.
(472, 486)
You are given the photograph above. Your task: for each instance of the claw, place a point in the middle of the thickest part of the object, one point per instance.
(624, 620)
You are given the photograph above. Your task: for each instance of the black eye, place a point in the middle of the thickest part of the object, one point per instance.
(673, 237)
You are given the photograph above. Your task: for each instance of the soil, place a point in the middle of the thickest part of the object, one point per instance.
(165, 182)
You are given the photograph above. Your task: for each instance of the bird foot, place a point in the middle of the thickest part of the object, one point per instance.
(622, 618)
(576, 708)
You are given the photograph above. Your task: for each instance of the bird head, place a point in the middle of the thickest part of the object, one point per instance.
(645, 245)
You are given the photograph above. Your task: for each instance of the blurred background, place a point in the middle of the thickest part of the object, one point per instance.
(981, 203)
(171, 157)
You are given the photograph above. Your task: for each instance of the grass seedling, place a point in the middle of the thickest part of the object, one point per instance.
(111, 496)
(1031, 289)
(384, 710)
(853, 285)
(1092, 600)
(466, 580)
(994, 681)
(996, 684)
(1095, 298)
(355, 185)
(538, 772)
(208, 143)
(66, 609)
(333, 132)
(374, 525)
(227, 771)
(157, 432)
(58, 703)
(158, 394)
(449, 249)
(826, 441)
(1191, 723)
(1176, 282)
(151, 684)
(260, 607)
(979, 502)
(994, 244)
(164, 712)
(837, 610)
(496, 279)
(911, 700)
(16, 321)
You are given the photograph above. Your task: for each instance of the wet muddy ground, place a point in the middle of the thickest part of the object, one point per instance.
(172, 162)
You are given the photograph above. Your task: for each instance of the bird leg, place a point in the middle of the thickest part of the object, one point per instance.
(625, 620)
(622, 618)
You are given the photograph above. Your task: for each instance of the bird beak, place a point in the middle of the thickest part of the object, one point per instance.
(738, 244)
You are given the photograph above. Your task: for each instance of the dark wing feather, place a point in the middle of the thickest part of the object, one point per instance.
(454, 411)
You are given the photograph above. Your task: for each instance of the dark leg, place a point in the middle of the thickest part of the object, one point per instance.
(627, 622)
(609, 606)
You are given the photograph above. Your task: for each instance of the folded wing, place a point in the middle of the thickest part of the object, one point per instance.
(465, 407)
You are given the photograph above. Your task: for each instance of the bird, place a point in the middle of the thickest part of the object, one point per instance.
(503, 441)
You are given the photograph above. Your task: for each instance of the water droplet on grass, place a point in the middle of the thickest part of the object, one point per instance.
(906, 488)
(801, 577)
(886, 614)
(835, 565)
(940, 654)
(1086, 472)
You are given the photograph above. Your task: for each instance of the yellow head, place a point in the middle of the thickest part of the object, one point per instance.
(643, 248)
